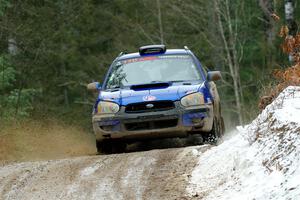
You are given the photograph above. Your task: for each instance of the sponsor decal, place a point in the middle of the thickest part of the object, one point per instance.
(139, 59)
(149, 98)
(149, 58)
(174, 57)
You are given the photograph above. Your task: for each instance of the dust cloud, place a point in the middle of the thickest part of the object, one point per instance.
(29, 141)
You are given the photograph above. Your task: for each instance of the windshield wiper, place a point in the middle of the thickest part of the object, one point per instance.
(114, 88)
(184, 82)
(160, 82)
(178, 81)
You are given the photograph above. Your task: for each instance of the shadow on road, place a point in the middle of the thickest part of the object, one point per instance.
(162, 144)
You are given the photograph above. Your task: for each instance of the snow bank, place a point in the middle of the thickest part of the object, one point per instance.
(259, 161)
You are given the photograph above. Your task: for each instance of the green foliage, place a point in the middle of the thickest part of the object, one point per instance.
(19, 103)
(7, 74)
(14, 103)
(3, 5)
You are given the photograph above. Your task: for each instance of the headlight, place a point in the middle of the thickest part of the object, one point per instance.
(105, 107)
(194, 99)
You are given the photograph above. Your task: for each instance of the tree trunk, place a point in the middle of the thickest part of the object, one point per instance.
(66, 96)
(289, 17)
(12, 46)
(229, 42)
(268, 9)
(161, 32)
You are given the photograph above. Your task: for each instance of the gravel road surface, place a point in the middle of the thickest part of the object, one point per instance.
(154, 174)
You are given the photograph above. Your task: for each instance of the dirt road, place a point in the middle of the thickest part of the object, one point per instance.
(155, 174)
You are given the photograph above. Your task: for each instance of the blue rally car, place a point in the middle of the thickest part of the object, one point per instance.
(156, 93)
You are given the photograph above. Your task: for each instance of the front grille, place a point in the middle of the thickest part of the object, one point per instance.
(148, 125)
(149, 106)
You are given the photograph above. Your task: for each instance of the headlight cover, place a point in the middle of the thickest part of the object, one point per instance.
(194, 99)
(105, 107)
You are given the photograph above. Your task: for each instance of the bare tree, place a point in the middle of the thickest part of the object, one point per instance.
(228, 30)
(289, 17)
(267, 7)
(221, 35)
(161, 32)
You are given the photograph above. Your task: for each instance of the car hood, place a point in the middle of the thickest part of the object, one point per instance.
(127, 96)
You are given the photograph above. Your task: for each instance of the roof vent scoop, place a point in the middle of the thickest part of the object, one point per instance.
(152, 49)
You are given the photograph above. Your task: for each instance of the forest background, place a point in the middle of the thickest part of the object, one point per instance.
(50, 50)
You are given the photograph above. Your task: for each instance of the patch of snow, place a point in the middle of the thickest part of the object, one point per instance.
(195, 152)
(89, 170)
(259, 161)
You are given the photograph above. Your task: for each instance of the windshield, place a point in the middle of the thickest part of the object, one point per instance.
(152, 69)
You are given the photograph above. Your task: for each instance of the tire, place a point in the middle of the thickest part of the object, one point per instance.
(222, 127)
(119, 147)
(109, 147)
(215, 133)
(194, 139)
(104, 147)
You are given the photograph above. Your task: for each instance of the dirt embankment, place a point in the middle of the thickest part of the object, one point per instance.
(34, 140)
(155, 174)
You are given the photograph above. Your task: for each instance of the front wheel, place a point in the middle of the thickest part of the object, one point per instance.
(216, 132)
(222, 127)
(194, 139)
(104, 147)
(109, 146)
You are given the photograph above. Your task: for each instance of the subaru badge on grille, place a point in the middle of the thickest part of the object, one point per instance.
(150, 105)
(149, 98)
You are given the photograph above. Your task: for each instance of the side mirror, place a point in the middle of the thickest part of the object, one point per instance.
(93, 87)
(214, 76)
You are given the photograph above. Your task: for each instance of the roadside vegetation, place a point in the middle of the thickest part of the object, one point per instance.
(289, 76)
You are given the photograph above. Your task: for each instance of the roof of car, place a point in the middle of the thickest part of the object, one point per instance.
(168, 52)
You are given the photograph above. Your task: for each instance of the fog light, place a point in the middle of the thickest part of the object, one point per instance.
(196, 120)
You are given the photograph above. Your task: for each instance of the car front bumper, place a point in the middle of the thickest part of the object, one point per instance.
(176, 122)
